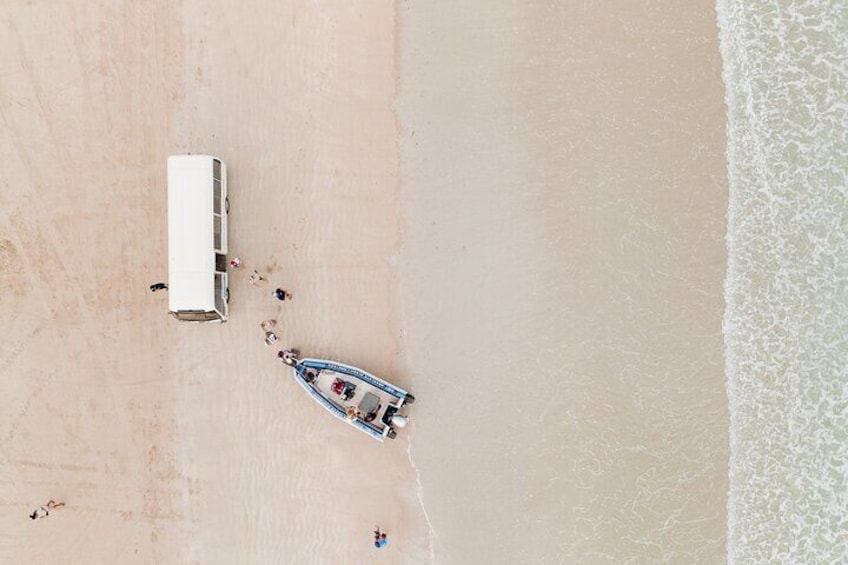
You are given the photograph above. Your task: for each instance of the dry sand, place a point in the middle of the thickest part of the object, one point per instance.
(534, 249)
(177, 443)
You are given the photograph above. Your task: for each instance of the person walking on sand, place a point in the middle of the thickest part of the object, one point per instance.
(380, 540)
(158, 286)
(255, 278)
(44, 511)
(281, 295)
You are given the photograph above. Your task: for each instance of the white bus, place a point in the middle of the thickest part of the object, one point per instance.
(197, 238)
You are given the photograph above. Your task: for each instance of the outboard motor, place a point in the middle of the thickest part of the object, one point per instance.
(399, 421)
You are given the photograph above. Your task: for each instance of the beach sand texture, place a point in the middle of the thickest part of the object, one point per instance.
(515, 213)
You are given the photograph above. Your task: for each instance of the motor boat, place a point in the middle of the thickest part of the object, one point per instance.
(357, 397)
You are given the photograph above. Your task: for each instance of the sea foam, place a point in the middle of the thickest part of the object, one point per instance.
(787, 282)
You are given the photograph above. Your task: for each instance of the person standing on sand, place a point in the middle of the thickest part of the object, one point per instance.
(44, 511)
(281, 294)
(380, 540)
(268, 325)
(270, 338)
(235, 263)
(255, 278)
(158, 286)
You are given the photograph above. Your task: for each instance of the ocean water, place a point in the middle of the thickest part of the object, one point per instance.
(786, 334)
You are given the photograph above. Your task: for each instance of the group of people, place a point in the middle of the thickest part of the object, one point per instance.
(257, 279)
(287, 356)
(380, 540)
(268, 325)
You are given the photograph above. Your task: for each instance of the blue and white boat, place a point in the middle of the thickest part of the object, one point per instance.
(352, 395)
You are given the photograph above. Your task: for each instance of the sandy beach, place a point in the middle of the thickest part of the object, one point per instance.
(515, 213)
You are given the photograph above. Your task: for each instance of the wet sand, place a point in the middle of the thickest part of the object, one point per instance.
(564, 196)
(517, 214)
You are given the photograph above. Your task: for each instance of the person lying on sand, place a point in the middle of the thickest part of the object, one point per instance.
(44, 511)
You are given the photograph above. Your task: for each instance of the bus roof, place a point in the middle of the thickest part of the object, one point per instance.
(191, 253)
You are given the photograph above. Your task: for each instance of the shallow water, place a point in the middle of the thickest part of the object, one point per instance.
(787, 297)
